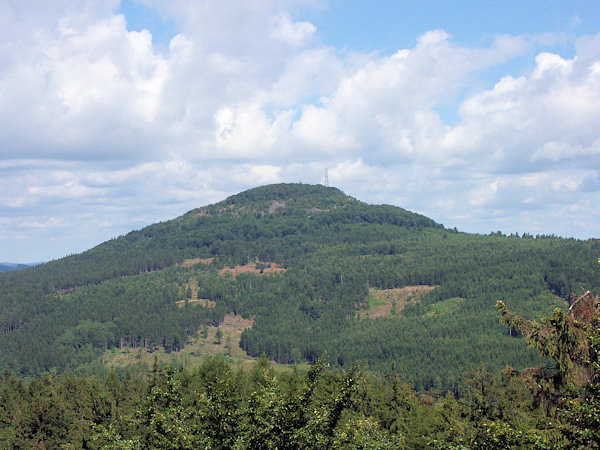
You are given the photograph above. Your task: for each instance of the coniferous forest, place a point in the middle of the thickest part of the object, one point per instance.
(395, 313)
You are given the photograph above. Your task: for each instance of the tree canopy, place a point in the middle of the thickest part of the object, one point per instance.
(335, 259)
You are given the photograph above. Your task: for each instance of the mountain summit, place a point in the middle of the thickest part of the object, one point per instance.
(312, 272)
(305, 201)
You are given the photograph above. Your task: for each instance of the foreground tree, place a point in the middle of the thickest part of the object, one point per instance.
(569, 390)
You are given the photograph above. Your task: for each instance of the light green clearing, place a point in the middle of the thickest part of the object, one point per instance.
(375, 300)
(445, 306)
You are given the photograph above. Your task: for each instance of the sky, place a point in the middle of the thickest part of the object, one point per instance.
(114, 115)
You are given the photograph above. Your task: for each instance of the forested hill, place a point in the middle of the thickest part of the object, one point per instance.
(324, 274)
(232, 230)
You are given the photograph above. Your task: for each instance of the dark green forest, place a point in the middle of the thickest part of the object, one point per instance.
(217, 406)
(62, 315)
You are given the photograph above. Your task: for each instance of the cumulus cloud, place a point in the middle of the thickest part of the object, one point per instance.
(103, 133)
(80, 89)
(290, 32)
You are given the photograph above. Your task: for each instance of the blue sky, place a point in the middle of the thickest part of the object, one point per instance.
(385, 25)
(118, 114)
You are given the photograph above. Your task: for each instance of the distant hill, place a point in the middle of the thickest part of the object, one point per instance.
(314, 270)
(6, 266)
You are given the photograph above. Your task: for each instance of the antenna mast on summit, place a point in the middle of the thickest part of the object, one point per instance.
(326, 179)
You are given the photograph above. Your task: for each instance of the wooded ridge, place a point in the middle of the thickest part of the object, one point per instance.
(335, 258)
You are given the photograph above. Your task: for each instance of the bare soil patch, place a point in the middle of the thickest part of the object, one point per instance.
(275, 205)
(258, 268)
(391, 302)
(66, 291)
(196, 349)
(206, 302)
(233, 325)
(194, 261)
(231, 331)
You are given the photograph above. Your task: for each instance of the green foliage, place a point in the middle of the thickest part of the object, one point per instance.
(374, 301)
(62, 315)
(572, 340)
(162, 417)
(445, 306)
(583, 411)
(215, 406)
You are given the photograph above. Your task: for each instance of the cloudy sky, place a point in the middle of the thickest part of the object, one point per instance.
(116, 114)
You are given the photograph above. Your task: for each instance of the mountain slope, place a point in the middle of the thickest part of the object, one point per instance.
(338, 255)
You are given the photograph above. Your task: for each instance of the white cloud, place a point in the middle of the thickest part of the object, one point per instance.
(82, 88)
(558, 151)
(532, 121)
(320, 131)
(106, 133)
(292, 33)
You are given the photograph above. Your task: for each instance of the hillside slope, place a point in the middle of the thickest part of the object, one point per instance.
(335, 257)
